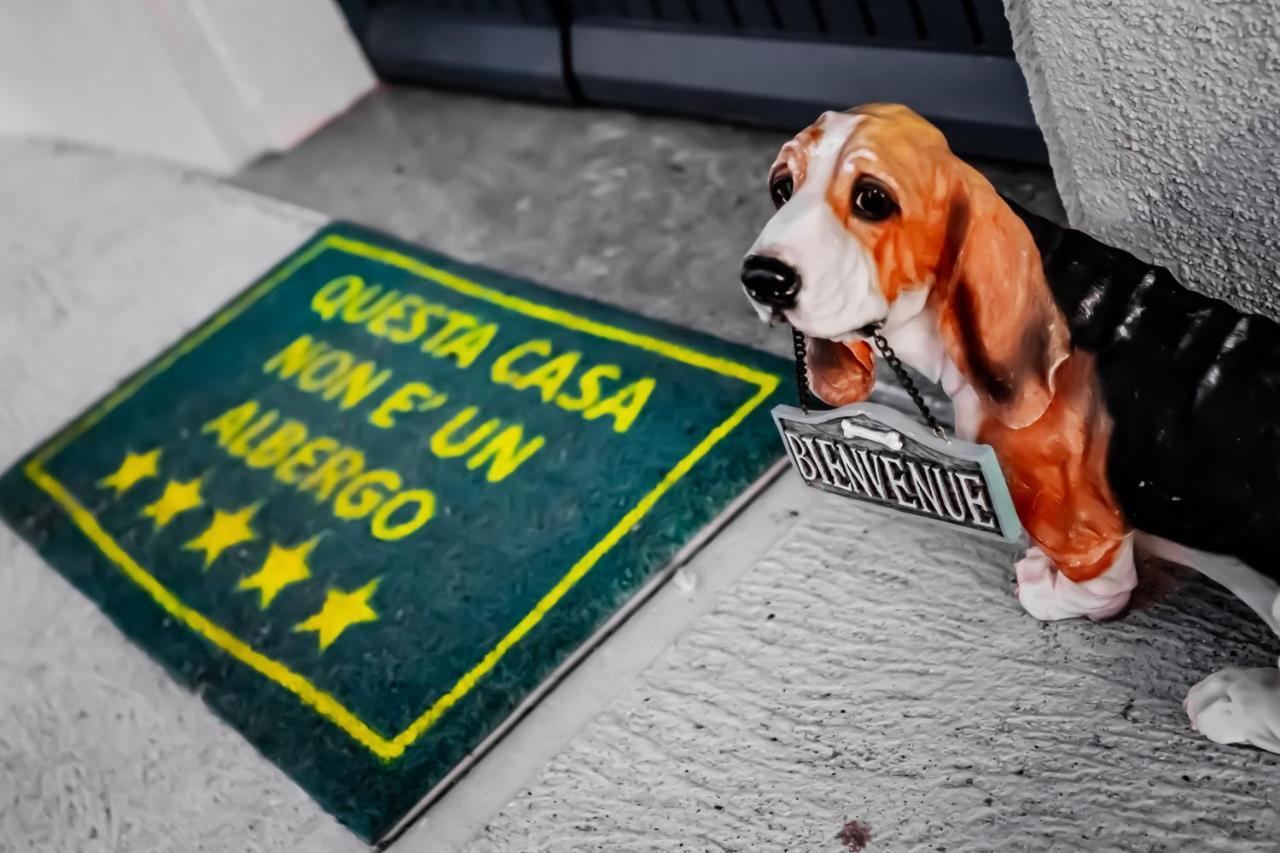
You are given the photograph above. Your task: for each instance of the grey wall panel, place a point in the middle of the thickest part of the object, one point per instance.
(893, 19)
(673, 10)
(843, 17)
(772, 62)
(714, 13)
(994, 25)
(493, 54)
(798, 16)
(755, 14)
(980, 100)
(946, 22)
(637, 8)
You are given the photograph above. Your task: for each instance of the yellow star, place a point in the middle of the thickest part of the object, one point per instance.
(135, 467)
(282, 567)
(177, 498)
(341, 610)
(226, 529)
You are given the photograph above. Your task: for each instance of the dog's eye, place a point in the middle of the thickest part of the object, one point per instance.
(780, 190)
(872, 202)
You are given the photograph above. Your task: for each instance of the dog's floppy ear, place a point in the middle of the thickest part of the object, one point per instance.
(840, 374)
(997, 318)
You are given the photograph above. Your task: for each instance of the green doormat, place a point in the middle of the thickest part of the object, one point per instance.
(367, 508)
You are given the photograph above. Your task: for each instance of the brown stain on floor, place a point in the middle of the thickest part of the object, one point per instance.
(855, 836)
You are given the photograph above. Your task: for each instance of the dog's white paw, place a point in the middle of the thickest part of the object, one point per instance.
(1049, 595)
(1238, 706)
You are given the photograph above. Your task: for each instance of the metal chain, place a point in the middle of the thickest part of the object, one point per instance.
(802, 378)
(895, 364)
(890, 357)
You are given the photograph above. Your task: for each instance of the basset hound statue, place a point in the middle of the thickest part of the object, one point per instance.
(1120, 404)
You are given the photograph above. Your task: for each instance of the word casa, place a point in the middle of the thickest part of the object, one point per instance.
(535, 365)
(559, 378)
(324, 468)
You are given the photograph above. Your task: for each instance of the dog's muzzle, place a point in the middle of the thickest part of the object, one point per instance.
(770, 282)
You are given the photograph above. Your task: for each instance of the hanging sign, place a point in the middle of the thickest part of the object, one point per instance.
(875, 454)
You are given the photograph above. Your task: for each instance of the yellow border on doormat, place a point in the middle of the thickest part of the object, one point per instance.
(386, 748)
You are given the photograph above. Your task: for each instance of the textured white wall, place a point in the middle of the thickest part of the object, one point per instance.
(206, 83)
(1163, 124)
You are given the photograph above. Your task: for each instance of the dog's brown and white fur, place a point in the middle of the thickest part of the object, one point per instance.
(954, 280)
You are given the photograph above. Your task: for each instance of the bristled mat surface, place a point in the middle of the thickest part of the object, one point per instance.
(367, 508)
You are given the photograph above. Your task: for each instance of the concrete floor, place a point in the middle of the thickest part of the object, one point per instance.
(859, 667)
(872, 669)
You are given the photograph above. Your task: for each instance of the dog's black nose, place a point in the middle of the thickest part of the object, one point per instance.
(770, 281)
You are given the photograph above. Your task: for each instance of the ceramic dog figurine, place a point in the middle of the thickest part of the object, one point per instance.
(1119, 403)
